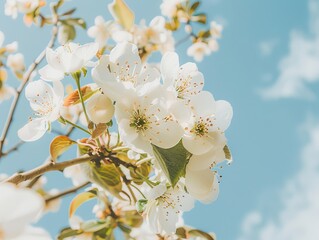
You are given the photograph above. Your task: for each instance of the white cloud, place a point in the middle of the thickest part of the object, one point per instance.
(298, 218)
(301, 66)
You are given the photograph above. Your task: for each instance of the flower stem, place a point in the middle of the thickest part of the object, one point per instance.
(77, 77)
(77, 126)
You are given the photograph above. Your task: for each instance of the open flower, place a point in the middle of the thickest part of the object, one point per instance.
(121, 70)
(144, 120)
(186, 81)
(198, 50)
(209, 120)
(66, 59)
(46, 101)
(19, 207)
(165, 206)
(101, 31)
(216, 30)
(169, 7)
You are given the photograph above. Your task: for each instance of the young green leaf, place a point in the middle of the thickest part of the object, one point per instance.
(79, 200)
(172, 161)
(59, 145)
(122, 13)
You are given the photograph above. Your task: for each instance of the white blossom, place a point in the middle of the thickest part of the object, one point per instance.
(46, 102)
(216, 30)
(66, 59)
(102, 30)
(16, 62)
(144, 120)
(12, 7)
(123, 69)
(198, 50)
(202, 184)
(205, 128)
(5, 91)
(185, 80)
(100, 108)
(165, 207)
(169, 7)
(19, 207)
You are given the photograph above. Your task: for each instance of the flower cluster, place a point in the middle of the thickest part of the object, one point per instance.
(150, 138)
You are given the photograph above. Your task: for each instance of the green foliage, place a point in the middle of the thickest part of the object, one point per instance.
(172, 161)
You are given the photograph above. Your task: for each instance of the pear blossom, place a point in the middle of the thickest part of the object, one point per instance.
(19, 207)
(67, 59)
(5, 91)
(100, 108)
(205, 128)
(12, 7)
(216, 30)
(144, 120)
(198, 50)
(102, 30)
(46, 101)
(165, 206)
(123, 69)
(16, 62)
(185, 80)
(169, 7)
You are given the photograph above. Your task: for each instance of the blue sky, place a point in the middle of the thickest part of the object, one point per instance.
(267, 68)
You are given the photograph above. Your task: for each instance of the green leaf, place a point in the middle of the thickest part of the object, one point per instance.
(68, 232)
(204, 34)
(67, 33)
(106, 175)
(173, 161)
(59, 145)
(200, 18)
(122, 13)
(140, 173)
(80, 199)
(194, 7)
(227, 152)
(93, 226)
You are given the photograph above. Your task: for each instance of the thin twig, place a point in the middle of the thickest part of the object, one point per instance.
(25, 79)
(48, 167)
(66, 192)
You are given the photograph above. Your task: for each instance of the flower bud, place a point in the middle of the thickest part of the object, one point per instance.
(100, 109)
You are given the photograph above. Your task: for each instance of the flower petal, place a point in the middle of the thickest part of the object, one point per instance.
(33, 130)
(49, 73)
(169, 67)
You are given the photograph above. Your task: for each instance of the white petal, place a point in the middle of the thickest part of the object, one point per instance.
(156, 192)
(204, 161)
(224, 114)
(34, 234)
(202, 184)
(54, 60)
(33, 130)
(165, 133)
(49, 73)
(100, 108)
(167, 219)
(197, 145)
(204, 104)
(87, 51)
(169, 67)
(18, 208)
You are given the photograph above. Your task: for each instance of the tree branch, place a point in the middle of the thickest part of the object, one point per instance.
(25, 79)
(66, 192)
(49, 167)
